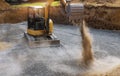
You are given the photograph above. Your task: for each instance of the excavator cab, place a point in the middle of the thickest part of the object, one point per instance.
(36, 21)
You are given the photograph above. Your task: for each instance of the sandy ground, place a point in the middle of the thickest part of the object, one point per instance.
(20, 60)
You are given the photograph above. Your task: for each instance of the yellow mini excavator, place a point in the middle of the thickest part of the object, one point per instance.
(40, 26)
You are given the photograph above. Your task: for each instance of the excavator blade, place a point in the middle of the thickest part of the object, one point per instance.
(42, 41)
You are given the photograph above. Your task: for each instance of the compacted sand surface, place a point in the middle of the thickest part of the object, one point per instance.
(21, 60)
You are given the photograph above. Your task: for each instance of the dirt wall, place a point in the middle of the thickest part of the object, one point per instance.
(97, 16)
(100, 1)
(4, 5)
(13, 15)
(104, 17)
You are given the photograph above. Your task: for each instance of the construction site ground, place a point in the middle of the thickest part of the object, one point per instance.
(18, 59)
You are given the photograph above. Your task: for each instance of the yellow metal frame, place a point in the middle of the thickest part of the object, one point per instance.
(35, 32)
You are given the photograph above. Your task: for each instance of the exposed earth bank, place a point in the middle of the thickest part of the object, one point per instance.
(101, 14)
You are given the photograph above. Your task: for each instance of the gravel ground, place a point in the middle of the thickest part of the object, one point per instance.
(20, 60)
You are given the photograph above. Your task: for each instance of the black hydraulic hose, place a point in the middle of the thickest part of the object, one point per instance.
(47, 24)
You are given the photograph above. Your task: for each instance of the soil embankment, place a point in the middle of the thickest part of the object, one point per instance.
(103, 16)
(11, 15)
(97, 14)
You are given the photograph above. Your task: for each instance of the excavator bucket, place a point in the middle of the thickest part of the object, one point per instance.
(74, 11)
